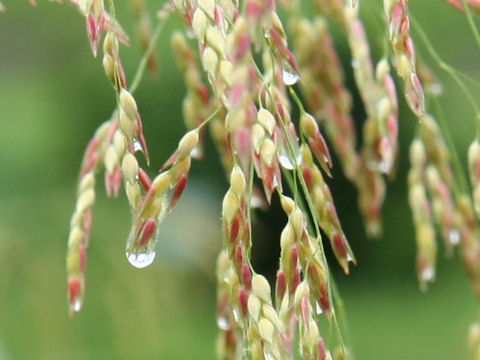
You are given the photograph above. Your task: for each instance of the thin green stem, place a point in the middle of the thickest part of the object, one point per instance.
(297, 100)
(210, 117)
(143, 62)
(471, 22)
(462, 185)
(468, 78)
(111, 7)
(447, 68)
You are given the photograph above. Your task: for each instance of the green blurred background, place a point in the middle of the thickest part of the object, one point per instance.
(53, 95)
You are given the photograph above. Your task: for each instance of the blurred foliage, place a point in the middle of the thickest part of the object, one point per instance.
(53, 94)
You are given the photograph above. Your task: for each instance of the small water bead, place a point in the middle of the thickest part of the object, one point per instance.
(268, 355)
(289, 75)
(224, 323)
(275, 182)
(318, 309)
(454, 236)
(236, 315)
(190, 34)
(77, 305)
(137, 146)
(197, 152)
(140, 259)
(287, 161)
(428, 273)
(385, 166)
(256, 201)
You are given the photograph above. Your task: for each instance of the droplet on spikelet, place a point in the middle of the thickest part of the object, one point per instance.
(224, 323)
(141, 259)
(318, 308)
(137, 146)
(268, 355)
(289, 75)
(454, 236)
(287, 161)
(428, 273)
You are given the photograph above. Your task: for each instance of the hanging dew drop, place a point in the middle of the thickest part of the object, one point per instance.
(318, 309)
(289, 76)
(77, 305)
(428, 273)
(285, 161)
(256, 201)
(190, 34)
(454, 236)
(196, 152)
(136, 145)
(268, 355)
(236, 315)
(223, 323)
(140, 259)
(385, 166)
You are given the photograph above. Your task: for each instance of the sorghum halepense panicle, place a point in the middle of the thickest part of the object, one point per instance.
(243, 86)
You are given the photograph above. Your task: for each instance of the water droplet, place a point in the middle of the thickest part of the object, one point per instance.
(256, 201)
(355, 63)
(454, 236)
(197, 152)
(136, 145)
(275, 183)
(77, 305)
(141, 259)
(350, 257)
(428, 273)
(318, 308)
(268, 355)
(236, 315)
(384, 166)
(286, 160)
(190, 34)
(223, 323)
(289, 76)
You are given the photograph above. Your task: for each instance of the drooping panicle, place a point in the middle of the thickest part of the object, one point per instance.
(325, 208)
(396, 12)
(421, 210)
(81, 222)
